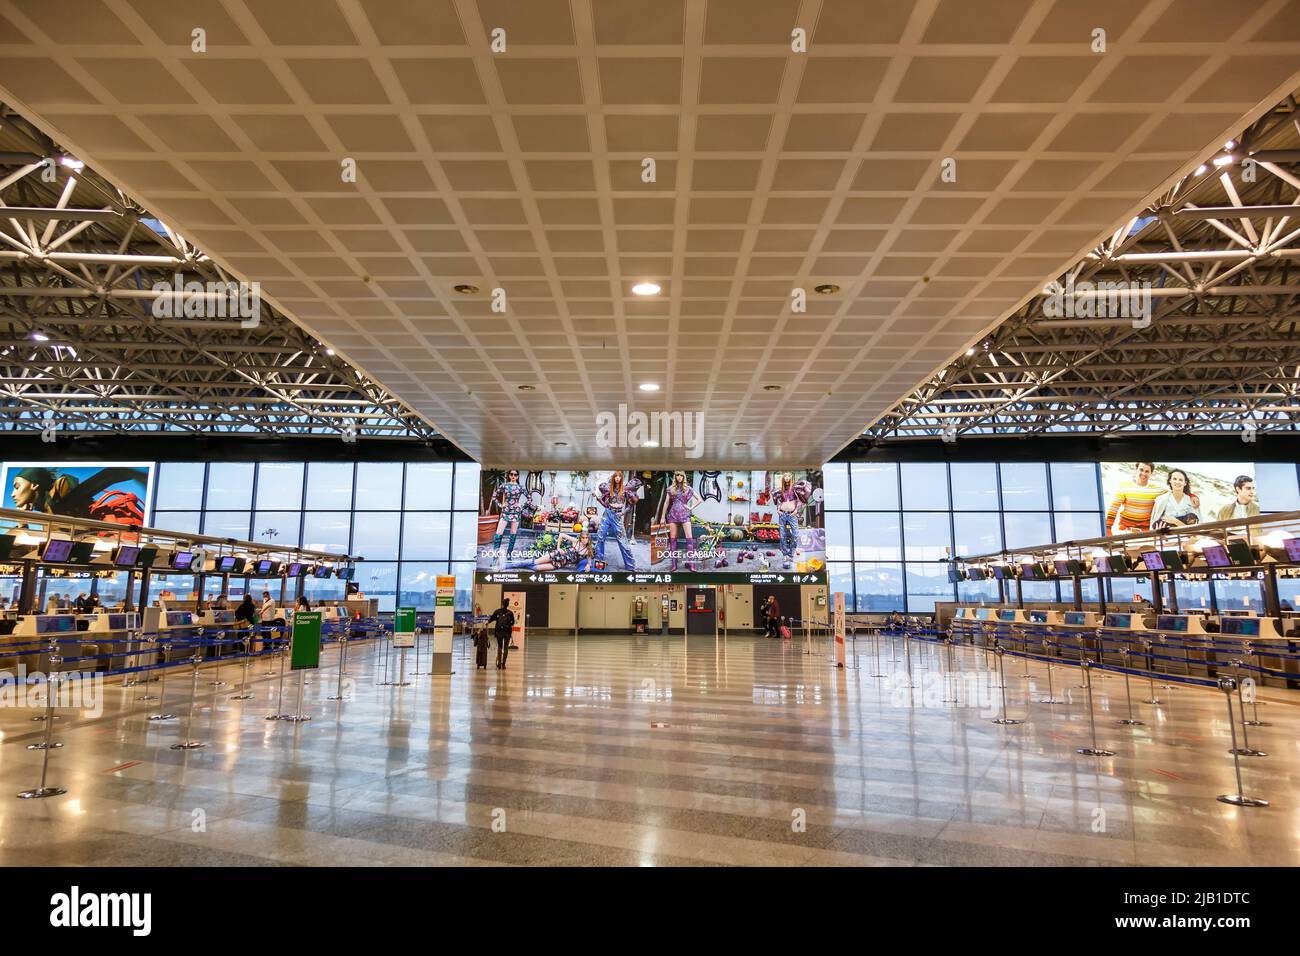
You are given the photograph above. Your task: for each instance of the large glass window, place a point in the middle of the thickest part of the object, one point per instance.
(327, 531)
(420, 582)
(840, 578)
(428, 486)
(230, 485)
(180, 486)
(227, 524)
(280, 528)
(974, 486)
(379, 486)
(426, 534)
(835, 484)
(1074, 486)
(467, 474)
(279, 485)
(186, 522)
(464, 586)
(925, 485)
(875, 486)
(374, 535)
(1077, 525)
(1024, 529)
(379, 581)
(977, 532)
(464, 536)
(927, 535)
(1276, 486)
(1024, 486)
(876, 536)
(879, 587)
(838, 535)
(329, 485)
(927, 583)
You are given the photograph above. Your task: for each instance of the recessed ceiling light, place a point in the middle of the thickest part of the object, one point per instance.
(466, 289)
(646, 288)
(772, 388)
(329, 351)
(827, 288)
(649, 386)
(526, 388)
(40, 337)
(649, 444)
(970, 351)
(1222, 160)
(1201, 169)
(1230, 144)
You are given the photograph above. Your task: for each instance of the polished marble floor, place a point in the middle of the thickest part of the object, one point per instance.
(618, 750)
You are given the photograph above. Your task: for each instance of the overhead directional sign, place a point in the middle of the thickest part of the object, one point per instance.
(648, 577)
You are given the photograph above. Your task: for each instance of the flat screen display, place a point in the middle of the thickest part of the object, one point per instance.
(1173, 560)
(1118, 620)
(954, 575)
(1117, 562)
(1241, 626)
(1037, 617)
(1292, 546)
(125, 556)
(1153, 560)
(321, 571)
(226, 563)
(1216, 556)
(1076, 618)
(1029, 571)
(345, 574)
(55, 623)
(82, 551)
(1006, 615)
(976, 574)
(147, 556)
(263, 567)
(1171, 622)
(745, 525)
(296, 569)
(182, 560)
(6, 545)
(999, 572)
(1240, 553)
(56, 551)
(117, 492)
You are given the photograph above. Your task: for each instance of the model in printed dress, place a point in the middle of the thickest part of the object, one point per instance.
(618, 496)
(789, 497)
(569, 551)
(678, 506)
(510, 497)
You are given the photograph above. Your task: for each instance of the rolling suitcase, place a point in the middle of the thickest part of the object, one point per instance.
(480, 658)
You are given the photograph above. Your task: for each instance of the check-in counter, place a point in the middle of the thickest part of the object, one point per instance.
(116, 632)
(1078, 635)
(217, 625)
(31, 636)
(1121, 630)
(177, 627)
(1262, 645)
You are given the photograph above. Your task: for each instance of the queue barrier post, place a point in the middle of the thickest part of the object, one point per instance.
(1094, 751)
(52, 678)
(187, 743)
(1238, 799)
(1047, 653)
(166, 647)
(875, 641)
(279, 698)
(1130, 720)
(144, 678)
(246, 642)
(343, 656)
(1245, 750)
(950, 676)
(1254, 696)
(1151, 672)
(1001, 653)
(217, 681)
(44, 790)
(297, 716)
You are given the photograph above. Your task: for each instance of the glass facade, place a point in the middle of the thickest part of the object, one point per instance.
(890, 525)
(411, 522)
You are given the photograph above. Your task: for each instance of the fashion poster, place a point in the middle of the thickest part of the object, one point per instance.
(116, 492)
(656, 521)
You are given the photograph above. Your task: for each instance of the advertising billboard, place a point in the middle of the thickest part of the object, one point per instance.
(657, 526)
(1146, 495)
(118, 492)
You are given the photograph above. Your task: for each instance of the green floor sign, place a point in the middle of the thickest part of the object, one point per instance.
(305, 652)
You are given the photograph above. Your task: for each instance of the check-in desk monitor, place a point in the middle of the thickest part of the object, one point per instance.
(984, 614)
(1179, 624)
(1079, 618)
(1249, 627)
(1043, 617)
(1010, 615)
(1126, 622)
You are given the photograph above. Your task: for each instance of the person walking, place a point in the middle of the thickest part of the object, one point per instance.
(772, 616)
(503, 622)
